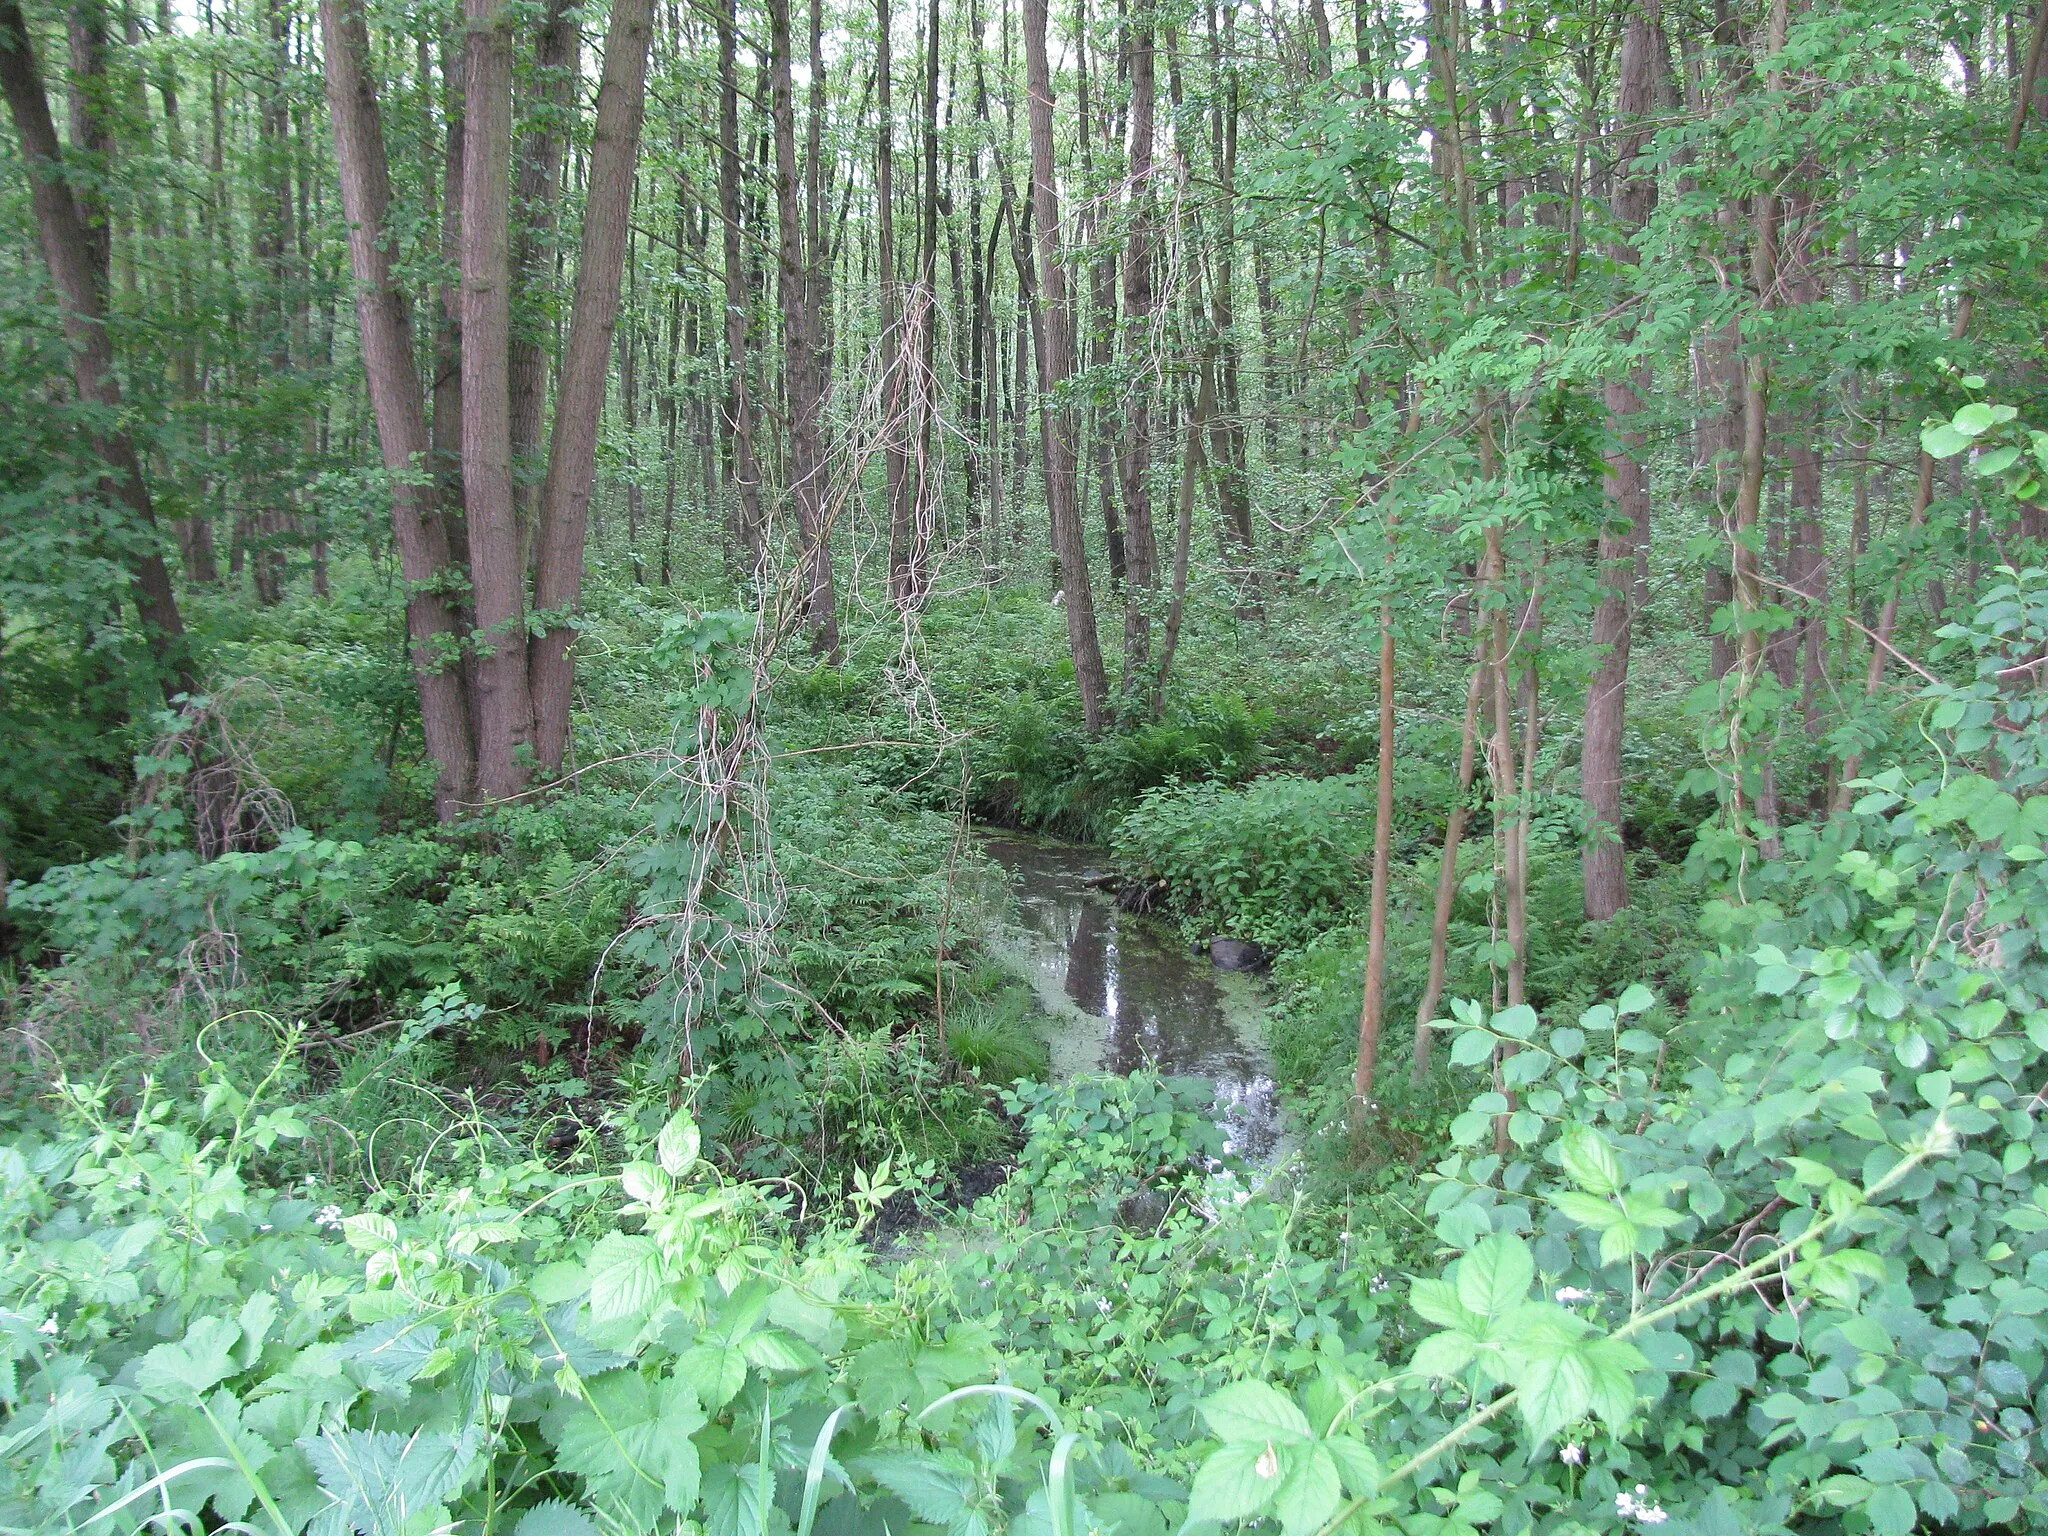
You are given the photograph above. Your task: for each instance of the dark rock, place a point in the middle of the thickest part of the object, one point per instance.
(1236, 955)
(1142, 1211)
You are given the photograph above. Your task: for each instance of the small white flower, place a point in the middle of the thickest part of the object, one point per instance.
(1572, 1455)
(47, 1325)
(1103, 1306)
(1625, 1505)
(1651, 1514)
(1380, 1283)
(1568, 1294)
(328, 1216)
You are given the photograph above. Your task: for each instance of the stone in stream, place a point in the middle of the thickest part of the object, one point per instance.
(1236, 955)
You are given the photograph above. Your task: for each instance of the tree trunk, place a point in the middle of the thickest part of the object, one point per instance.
(927, 483)
(385, 321)
(579, 400)
(800, 375)
(1447, 872)
(73, 259)
(895, 443)
(1141, 553)
(1622, 533)
(1055, 367)
(1372, 1013)
(739, 405)
(556, 60)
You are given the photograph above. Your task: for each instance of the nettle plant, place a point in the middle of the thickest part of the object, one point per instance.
(184, 1349)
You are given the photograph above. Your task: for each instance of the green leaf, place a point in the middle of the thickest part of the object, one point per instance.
(1979, 417)
(1494, 1278)
(1471, 1048)
(1518, 1022)
(715, 1372)
(1939, 440)
(1588, 1161)
(1356, 1464)
(555, 1518)
(678, 1145)
(1586, 1210)
(1636, 999)
(937, 1491)
(1235, 1483)
(631, 1440)
(1251, 1410)
(381, 1481)
(1444, 1355)
(1309, 1490)
(1891, 1511)
(192, 1367)
(625, 1277)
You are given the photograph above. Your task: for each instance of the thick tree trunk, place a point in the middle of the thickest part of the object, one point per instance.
(75, 267)
(384, 319)
(1055, 366)
(503, 705)
(579, 401)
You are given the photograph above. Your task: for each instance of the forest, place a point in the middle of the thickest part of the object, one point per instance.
(912, 769)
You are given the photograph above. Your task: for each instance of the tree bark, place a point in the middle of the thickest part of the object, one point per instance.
(1447, 872)
(384, 319)
(1604, 861)
(73, 260)
(1372, 1012)
(503, 704)
(895, 444)
(1141, 552)
(579, 402)
(800, 343)
(1055, 367)
(739, 405)
(556, 60)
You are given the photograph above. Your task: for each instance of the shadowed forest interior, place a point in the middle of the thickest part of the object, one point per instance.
(837, 767)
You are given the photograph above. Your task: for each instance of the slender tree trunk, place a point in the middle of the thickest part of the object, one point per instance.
(806, 465)
(739, 405)
(74, 263)
(1055, 366)
(556, 61)
(384, 319)
(447, 386)
(1447, 872)
(1141, 553)
(579, 401)
(895, 443)
(1622, 533)
(1372, 1013)
(927, 481)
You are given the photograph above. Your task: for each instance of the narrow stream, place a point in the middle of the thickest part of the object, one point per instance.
(1123, 992)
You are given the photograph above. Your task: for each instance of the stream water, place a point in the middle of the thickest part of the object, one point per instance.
(1123, 992)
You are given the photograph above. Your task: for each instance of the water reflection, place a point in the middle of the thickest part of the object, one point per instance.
(1124, 992)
